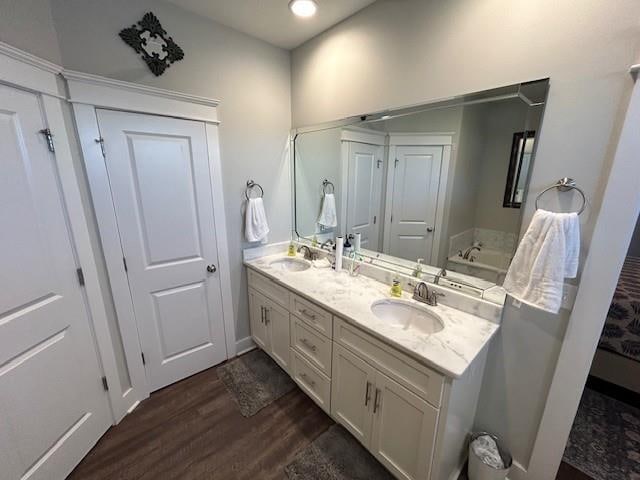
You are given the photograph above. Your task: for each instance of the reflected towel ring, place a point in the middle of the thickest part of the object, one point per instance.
(325, 184)
(250, 186)
(564, 185)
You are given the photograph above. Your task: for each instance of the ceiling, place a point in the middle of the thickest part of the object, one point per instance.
(271, 20)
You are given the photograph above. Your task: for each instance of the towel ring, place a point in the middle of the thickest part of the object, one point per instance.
(250, 186)
(325, 184)
(564, 185)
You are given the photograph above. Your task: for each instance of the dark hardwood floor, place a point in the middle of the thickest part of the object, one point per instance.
(193, 430)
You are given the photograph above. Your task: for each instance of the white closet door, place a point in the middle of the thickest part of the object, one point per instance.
(52, 405)
(414, 201)
(159, 174)
(364, 192)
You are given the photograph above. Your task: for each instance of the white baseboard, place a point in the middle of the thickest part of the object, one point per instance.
(244, 345)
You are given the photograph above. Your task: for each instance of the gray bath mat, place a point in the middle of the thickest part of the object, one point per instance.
(605, 438)
(336, 455)
(255, 380)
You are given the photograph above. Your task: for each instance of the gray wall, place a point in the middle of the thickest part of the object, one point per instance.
(249, 77)
(406, 52)
(28, 25)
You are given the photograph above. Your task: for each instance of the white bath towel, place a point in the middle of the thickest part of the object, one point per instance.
(547, 254)
(328, 214)
(256, 227)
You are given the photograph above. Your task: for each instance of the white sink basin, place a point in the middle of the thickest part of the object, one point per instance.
(407, 316)
(291, 264)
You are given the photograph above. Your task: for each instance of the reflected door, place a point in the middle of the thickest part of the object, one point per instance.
(159, 174)
(364, 192)
(416, 180)
(52, 404)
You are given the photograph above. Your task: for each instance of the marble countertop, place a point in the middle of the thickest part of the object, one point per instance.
(449, 351)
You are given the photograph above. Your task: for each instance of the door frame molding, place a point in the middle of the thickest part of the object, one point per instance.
(87, 93)
(24, 71)
(411, 139)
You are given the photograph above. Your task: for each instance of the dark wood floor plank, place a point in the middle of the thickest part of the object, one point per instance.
(194, 430)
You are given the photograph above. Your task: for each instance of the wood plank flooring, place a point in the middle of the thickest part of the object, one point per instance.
(193, 430)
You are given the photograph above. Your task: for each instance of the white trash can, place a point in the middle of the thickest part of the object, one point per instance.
(479, 470)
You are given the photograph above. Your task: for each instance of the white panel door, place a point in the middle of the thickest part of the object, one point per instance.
(52, 405)
(159, 174)
(404, 430)
(416, 179)
(364, 192)
(353, 384)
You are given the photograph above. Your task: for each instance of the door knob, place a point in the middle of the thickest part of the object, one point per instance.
(212, 268)
(429, 229)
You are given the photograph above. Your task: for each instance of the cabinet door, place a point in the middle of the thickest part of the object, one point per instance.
(277, 320)
(256, 315)
(352, 393)
(404, 430)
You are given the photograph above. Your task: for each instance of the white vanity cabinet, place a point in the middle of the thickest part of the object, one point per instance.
(413, 419)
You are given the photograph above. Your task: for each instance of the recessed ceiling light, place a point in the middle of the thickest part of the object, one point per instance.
(303, 8)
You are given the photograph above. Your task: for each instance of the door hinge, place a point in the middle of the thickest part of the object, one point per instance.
(124, 262)
(105, 385)
(374, 219)
(49, 136)
(100, 141)
(395, 164)
(391, 219)
(80, 274)
(144, 362)
(379, 162)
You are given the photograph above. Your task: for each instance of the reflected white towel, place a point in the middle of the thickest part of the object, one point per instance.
(548, 253)
(328, 215)
(256, 227)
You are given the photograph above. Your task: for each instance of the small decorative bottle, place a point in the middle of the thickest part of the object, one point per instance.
(396, 289)
(291, 251)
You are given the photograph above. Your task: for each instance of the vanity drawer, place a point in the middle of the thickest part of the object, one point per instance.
(269, 288)
(312, 381)
(418, 378)
(316, 348)
(312, 314)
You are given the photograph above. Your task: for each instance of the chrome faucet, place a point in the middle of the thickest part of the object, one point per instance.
(422, 294)
(308, 253)
(468, 251)
(327, 242)
(439, 275)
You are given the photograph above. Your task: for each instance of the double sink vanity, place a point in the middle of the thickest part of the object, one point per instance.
(402, 377)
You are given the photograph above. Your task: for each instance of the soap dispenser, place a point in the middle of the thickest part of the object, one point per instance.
(396, 289)
(417, 271)
(291, 251)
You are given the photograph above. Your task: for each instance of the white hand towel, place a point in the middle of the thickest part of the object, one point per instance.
(256, 227)
(328, 216)
(548, 253)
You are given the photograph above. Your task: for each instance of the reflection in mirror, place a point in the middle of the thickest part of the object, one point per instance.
(438, 185)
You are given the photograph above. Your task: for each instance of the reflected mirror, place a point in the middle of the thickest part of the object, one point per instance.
(438, 185)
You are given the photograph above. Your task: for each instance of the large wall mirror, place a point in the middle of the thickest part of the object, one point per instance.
(441, 183)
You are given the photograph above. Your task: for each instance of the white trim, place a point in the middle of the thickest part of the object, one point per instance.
(435, 139)
(118, 95)
(123, 397)
(29, 72)
(244, 345)
(363, 135)
(344, 186)
(220, 222)
(609, 243)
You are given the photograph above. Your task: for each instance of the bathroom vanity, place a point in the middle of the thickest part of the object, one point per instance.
(402, 377)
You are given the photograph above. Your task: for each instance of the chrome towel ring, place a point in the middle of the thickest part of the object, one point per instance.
(564, 185)
(325, 186)
(250, 186)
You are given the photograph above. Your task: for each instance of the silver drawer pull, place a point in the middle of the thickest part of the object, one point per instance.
(308, 344)
(307, 380)
(307, 314)
(376, 404)
(367, 394)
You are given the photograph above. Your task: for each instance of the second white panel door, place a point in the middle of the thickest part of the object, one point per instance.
(365, 186)
(159, 174)
(416, 181)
